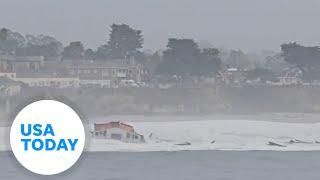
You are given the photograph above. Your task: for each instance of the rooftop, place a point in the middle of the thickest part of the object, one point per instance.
(22, 58)
(105, 126)
(6, 81)
(117, 63)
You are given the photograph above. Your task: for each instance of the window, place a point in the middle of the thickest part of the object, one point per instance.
(32, 66)
(116, 136)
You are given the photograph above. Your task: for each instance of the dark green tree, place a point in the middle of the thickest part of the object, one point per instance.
(75, 50)
(89, 54)
(102, 53)
(10, 41)
(3, 38)
(307, 59)
(124, 41)
(4, 34)
(210, 61)
(41, 46)
(180, 57)
(183, 57)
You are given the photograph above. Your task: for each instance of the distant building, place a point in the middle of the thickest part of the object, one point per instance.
(104, 73)
(47, 80)
(289, 76)
(94, 82)
(35, 72)
(230, 76)
(8, 87)
(117, 131)
(20, 64)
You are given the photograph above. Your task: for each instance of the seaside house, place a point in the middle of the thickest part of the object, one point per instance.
(117, 131)
(35, 72)
(104, 73)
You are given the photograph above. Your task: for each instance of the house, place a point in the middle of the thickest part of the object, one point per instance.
(35, 72)
(104, 73)
(20, 64)
(289, 76)
(93, 81)
(9, 87)
(230, 76)
(45, 79)
(117, 131)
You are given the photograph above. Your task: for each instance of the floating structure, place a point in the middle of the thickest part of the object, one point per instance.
(117, 131)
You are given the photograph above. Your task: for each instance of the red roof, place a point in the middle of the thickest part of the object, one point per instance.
(106, 126)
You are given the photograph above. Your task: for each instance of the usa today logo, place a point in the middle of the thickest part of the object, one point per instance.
(47, 137)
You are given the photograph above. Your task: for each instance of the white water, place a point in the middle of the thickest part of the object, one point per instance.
(228, 135)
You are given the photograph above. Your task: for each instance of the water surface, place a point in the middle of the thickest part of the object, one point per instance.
(183, 165)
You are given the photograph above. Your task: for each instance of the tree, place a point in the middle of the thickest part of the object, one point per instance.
(210, 61)
(276, 63)
(238, 59)
(103, 52)
(75, 50)
(183, 57)
(3, 38)
(307, 59)
(41, 45)
(180, 57)
(10, 41)
(89, 54)
(124, 41)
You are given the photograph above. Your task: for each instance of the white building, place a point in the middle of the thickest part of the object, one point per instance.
(89, 82)
(290, 76)
(46, 80)
(50, 82)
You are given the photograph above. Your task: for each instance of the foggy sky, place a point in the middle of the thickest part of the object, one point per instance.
(251, 25)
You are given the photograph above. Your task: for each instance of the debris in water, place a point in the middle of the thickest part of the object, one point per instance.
(184, 144)
(270, 143)
(296, 141)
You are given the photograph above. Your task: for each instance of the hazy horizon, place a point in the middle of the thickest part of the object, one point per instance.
(249, 25)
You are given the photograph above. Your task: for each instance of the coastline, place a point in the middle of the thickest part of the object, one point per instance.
(203, 134)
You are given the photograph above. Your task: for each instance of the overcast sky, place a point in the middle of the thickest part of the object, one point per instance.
(250, 25)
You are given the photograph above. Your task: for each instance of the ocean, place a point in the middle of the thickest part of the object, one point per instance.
(180, 165)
